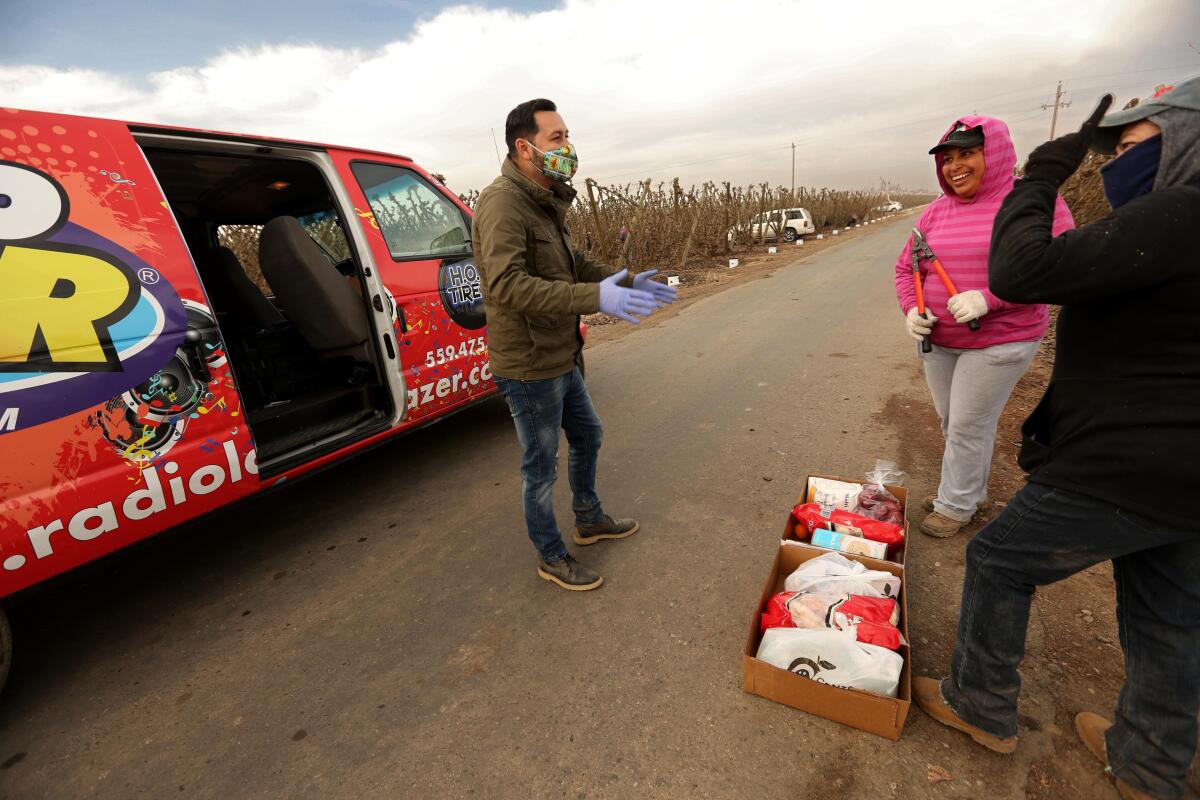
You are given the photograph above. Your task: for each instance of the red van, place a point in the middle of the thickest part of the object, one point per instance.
(189, 317)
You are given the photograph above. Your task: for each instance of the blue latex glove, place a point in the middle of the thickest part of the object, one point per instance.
(663, 294)
(623, 303)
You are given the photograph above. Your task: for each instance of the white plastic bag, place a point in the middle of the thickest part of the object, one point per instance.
(833, 573)
(833, 657)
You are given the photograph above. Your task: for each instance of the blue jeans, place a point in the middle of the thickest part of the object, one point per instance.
(1046, 535)
(539, 409)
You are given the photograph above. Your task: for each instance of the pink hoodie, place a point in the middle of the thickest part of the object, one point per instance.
(960, 231)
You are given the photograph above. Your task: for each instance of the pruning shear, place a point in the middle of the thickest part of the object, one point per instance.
(922, 250)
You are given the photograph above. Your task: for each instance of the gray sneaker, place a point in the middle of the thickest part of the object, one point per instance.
(606, 528)
(570, 574)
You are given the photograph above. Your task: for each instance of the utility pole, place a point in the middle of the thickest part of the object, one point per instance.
(793, 173)
(1058, 103)
(496, 146)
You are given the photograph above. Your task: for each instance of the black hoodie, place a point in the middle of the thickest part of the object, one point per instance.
(1120, 420)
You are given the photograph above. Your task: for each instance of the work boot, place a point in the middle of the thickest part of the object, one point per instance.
(570, 574)
(1091, 729)
(928, 694)
(606, 528)
(927, 503)
(938, 525)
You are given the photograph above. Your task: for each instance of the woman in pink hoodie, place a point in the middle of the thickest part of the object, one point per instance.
(971, 373)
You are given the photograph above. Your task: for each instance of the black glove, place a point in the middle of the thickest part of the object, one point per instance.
(1057, 160)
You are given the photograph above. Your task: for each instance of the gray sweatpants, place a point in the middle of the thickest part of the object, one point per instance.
(970, 388)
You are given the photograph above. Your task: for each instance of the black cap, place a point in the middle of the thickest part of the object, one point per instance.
(961, 136)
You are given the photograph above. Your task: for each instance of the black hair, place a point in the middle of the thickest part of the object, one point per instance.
(521, 123)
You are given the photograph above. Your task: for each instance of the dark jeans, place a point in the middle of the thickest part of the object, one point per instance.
(1046, 535)
(539, 409)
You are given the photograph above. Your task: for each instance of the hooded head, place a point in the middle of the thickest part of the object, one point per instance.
(1176, 112)
(999, 157)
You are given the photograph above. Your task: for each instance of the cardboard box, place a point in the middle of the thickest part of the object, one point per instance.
(882, 716)
(899, 492)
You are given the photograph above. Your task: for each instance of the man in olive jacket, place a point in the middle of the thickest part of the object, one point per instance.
(536, 284)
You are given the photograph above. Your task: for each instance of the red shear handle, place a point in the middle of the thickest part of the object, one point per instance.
(919, 288)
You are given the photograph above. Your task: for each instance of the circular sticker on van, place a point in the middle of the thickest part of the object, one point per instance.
(462, 296)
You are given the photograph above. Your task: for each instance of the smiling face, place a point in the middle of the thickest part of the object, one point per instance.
(962, 167)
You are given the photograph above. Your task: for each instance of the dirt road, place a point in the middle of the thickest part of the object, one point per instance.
(379, 630)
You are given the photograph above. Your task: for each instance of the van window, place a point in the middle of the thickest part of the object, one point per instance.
(326, 230)
(774, 216)
(417, 221)
(323, 226)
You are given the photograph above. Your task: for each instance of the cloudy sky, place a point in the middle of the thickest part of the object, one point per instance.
(699, 90)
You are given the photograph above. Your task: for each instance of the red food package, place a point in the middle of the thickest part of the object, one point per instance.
(859, 608)
(810, 518)
(776, 614)
(873, 618)
(879, 633)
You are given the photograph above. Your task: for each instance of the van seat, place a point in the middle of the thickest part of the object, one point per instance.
(233, 293)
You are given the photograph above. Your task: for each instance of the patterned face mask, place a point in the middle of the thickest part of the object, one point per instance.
(560, 164)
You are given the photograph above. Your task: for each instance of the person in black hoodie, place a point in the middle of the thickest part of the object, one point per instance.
(1113, 448)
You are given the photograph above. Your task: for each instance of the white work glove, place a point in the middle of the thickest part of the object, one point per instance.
(919, 327)
(966, 306)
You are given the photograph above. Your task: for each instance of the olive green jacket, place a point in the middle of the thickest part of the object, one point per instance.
(536, 283)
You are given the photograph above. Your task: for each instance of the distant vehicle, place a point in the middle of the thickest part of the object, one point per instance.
(796, 223)
(889, 206)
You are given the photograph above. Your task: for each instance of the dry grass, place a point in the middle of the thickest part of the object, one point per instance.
(670, 226)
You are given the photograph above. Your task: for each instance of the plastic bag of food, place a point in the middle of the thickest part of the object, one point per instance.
(872, 619)
(875, 501)
(811, 518)
(835, 494)
(833, 573)
(833, 657)
(823, 610)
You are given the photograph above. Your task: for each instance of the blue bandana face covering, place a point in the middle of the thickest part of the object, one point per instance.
(1131, 175)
